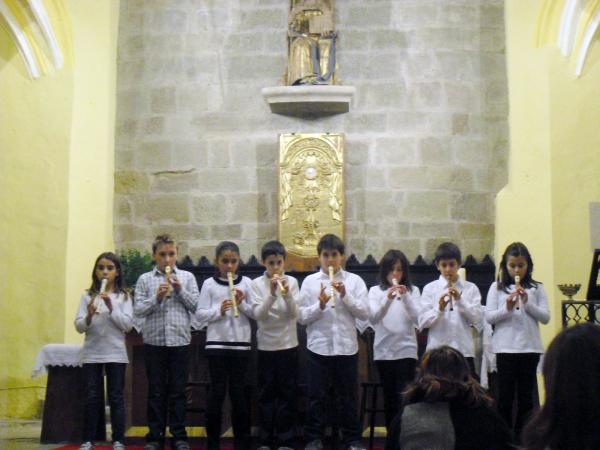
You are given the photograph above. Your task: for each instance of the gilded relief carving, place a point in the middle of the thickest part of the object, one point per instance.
(311, 192)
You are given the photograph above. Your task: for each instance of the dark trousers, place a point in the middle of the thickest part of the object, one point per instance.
(94, 399)
(167, 371)
(471, 363)
(516, 375)
(277, 396)
(394, 375)
(338, 374)
(228, 371)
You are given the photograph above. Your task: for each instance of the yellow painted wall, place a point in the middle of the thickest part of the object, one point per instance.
(56, 147)
(554, 163)
(91, 165)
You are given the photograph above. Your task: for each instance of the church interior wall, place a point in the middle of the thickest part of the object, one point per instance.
(56, 189)
(554, 162)
(197, 147)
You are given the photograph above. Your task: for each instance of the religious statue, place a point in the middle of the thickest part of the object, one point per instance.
(311, 43)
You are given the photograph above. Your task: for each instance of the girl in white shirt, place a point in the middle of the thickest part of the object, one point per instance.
(394, 314)
(104, 315)
(515, 309)
(228, 345)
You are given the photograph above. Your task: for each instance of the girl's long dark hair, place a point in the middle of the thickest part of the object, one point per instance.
(504, 279)
(119, 285)
(572, 381)
(444, 376)
(386, 265)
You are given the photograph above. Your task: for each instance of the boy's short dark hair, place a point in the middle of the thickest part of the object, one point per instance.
(330, 242)
(448, 250)
(272, 248)
(162, 239)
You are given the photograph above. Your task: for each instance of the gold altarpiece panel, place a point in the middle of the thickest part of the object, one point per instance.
(311, 194)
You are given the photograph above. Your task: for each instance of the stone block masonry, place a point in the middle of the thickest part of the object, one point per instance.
(197, 147)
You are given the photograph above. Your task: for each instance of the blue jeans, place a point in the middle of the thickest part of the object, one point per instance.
(94, 399)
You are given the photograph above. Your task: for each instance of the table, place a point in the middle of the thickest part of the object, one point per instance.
(63, 407)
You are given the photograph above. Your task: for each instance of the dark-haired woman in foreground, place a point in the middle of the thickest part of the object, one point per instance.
(572, 380)
(445, 408)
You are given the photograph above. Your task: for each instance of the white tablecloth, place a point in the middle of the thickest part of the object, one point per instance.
(56, 355)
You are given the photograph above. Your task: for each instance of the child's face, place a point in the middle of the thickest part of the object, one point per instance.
(396, 273)
(448, 268)
(516, 265)
(332, 258)
(228, 261)
(165, 255)
(275, 264)
(105, 268)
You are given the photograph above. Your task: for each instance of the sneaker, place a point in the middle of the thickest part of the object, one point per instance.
(285, 448)
(153, 446)
(87, 446)
(118, 445)
(314, 445)
(356, 446)
(181, 445)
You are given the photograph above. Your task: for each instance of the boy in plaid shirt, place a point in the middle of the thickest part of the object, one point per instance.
(166, 298)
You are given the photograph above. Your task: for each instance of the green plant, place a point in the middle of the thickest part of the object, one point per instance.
(134, 264)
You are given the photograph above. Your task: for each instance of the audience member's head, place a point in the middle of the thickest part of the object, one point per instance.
(444, 375)
(567, 420)
(445, 408)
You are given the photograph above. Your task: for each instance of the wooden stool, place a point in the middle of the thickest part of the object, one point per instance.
(370, 389)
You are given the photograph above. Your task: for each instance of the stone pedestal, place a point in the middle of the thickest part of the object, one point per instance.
(312, 101)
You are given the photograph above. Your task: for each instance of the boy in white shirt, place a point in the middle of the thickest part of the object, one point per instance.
(274, 298)
(329, 310)
(451, 306)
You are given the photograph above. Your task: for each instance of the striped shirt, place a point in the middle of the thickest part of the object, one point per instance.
(166, 324)
(225, 333)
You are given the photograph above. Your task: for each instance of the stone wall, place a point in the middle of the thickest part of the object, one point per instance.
(426, 136)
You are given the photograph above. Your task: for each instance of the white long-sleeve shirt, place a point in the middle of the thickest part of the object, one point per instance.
(394, 321)
(225, 332)
(275, 314)
(448, 327)
(332, 331)
(105, 335)
(517, 331)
